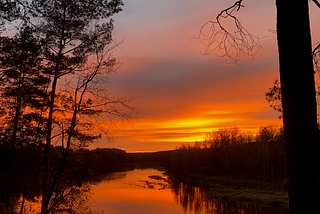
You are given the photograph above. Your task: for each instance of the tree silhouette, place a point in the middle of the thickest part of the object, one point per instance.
(299, 108)
(273, 97)
(70, 31)
(71, 36)
(9, 11)
(297, 93)
(81, 106)
(20, 72)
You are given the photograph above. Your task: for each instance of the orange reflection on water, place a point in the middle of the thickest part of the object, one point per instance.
(135, 193)
(148, 191)
(132, 186)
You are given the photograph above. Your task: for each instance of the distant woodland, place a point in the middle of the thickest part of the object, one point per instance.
(225, 152)
(228, 152)
(54, 102)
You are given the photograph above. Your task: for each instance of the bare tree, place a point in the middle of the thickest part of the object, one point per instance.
(297, 92)
(70, 31)
(83, 100)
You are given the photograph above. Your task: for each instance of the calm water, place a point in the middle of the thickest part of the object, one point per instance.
(143, 192)
(148, 191)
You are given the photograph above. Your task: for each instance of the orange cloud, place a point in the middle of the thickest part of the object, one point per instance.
(182, 94)
(164, 133)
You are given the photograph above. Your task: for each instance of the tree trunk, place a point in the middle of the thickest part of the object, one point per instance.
(64, 157)
(45, 201)
(45, 192)
(299, 105)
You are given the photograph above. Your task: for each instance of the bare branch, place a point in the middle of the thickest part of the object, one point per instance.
(316, 58)
(219, 39)
(317, 3)
(86, 96)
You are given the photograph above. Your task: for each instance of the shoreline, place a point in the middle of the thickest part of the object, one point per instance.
(263, 193)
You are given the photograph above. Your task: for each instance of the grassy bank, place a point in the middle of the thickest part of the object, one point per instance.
(261, 192)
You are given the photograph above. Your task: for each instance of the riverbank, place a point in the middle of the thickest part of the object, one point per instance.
(256, 191)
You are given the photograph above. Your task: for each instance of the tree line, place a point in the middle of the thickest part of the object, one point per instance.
(232, 153)
(297, 84)
(226, 152)
(55, 64)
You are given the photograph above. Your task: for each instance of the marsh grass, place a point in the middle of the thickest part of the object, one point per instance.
(259, 196)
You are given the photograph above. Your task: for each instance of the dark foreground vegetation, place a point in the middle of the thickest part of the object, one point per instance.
(82, 166)
(227, 157)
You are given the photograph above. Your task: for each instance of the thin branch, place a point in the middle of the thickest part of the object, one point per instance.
(315, 49)
(317, 3)
(219, 40)
(316, 58)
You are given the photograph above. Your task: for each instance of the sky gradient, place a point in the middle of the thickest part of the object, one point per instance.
(182, 94)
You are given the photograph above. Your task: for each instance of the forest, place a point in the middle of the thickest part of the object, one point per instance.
(227, 152)
(56, 61)
(54, 67)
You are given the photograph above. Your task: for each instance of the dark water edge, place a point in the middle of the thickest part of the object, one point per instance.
(190, 199)
(263, 193)
(193, 198)
(190, 196)
(189, 193)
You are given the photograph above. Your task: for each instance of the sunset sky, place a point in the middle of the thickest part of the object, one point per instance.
(182, 94)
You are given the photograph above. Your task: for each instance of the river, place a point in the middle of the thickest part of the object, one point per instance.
(144, 191)
(148, 191)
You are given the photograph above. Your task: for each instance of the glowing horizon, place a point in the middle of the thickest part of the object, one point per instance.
(158, 134)
(182, 94)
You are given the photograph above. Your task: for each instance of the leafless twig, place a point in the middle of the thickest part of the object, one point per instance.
(317, 3)
(316, 58)
(224, 43)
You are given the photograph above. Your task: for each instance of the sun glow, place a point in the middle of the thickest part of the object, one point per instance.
(163, 133)
(182, 94)
(194, 122)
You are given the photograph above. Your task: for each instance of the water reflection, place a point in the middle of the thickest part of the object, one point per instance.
(71, 200)
(140, 192)
(110, 177)
(149, 191)
(194, 200)
(68, 199)
(190, 198)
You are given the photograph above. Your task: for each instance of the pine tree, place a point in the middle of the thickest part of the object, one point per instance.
(23, 96)
(70, 32)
